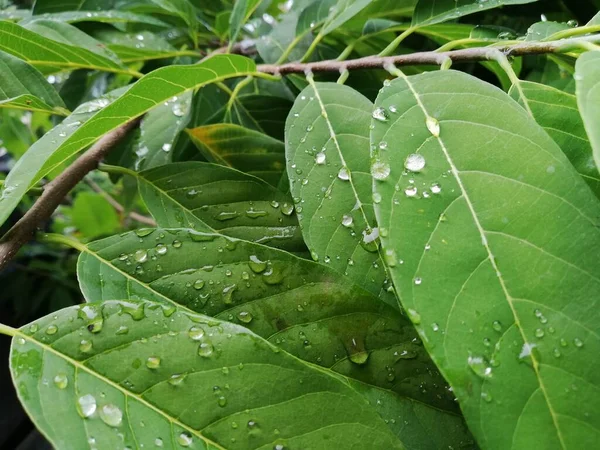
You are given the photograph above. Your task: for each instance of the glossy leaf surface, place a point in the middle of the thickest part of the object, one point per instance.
(428, 12)
(498, 235)
(588, 97)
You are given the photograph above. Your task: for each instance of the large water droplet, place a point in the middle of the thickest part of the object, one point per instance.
(184, 439)
(153, 362)
(142, 232)
(228, 294)
(343, 174)
(141, 256)
(347, 220)
(370, 239)
(479, 366)
(380, 114)
(380, 170)
(111, 415)
(433, 126)
(85, 346)
(52, 329)
(244, 316)
(61, 381)
(205, 349)
(414, 162)
(320, 158)
(86, 405)
(198, 284)
(256, 265)
(414, 316)
(196, 333)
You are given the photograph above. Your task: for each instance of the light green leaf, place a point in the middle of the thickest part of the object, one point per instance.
(556, 111)
(149, 92)
(273, 45)
(141, 46)
(135, 374)
(595, 20)
(428, 12)
(23, 87)
(327, 148)
(242, 11)
(344, 10)
(587, 77)
(111, 16)
(93, 215)
(314, 15)
(160, 130)
(243, 149)
(541, 30)
(500, 241)
(54, 6)
(208, 197)
(280, 297)
(48, 55)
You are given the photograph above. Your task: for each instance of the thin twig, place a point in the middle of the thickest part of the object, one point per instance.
(120, 208)
(54, 192)
(430, 58)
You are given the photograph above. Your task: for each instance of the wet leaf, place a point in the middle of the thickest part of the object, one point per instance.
(428, 12)
(587, 70)
(499, 235)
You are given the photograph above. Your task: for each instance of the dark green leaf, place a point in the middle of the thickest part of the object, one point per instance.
(242, 10)
(435, 11)
(23, 87)
(98, 16)
(93, 215)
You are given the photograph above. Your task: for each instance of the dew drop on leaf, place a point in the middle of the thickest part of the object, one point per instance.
(205, 349)
(380, 170)
(347, 220)
(343, 174)
(153, 362)
(479, 366)
(52, 329)
(85, 346)
(433, 126)
(196, 333)
(320, 158)
(111, 415)
(86, 405)
(414, 162)
(184, 439)
(411, 191)
(198, 284)
(141, 256)
(414, 316)
(61, 381)
(245, 316)
(380, 114)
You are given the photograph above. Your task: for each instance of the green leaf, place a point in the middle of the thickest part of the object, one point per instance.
(327, 148)
(147, 93)
(428, 12)
(110, 16)
(242, 10)
(23, 87)
(93, 215)
(273, 45)
(160, 130)
(246, 150)
(141, 46)
(184, 10)
(48, 55)
(541, 30)
(280, 297)
(556, 111)
(134, 374)
(53, 6)
(344, 10)
(587, 77)
(500, 239)
(208, 197)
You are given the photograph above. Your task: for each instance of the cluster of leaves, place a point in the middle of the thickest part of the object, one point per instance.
(396, 260)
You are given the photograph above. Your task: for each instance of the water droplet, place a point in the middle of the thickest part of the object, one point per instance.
(33, 328)
(166, 147)
(86, 405)
(393, 108)
(111, 415)
(556, 353)
(383, 145)
(287, 209)
(244, 316)
(343, 174)
(177, 244)
(526, 350)
(158, 442)
(370, 239)
(196, 333)
(380, 114)
(256, 265)
(122, 330)
(380, 170)
(414, 162)
(573, 23)
(486, 396)
(496, 325)
(198, 284)
(390, 258)
(320, 158)
(205, 349)
(143, 232)
(479, 366)
(141, 256)
(418, 281)
(347, 220)
(414, 316)
(85, 346)
(433, 126)
(435, 327)
(161, 249)
(153, 362)
(436, 188)
(578, 342)
(184, 439)
(411, 191)
(539, 333)
(176, 379)
(61, 381)
(52, 329)
(228, 294)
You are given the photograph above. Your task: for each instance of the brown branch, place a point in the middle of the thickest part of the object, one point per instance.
(429, 58)
(55, 191)
(120, 208)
